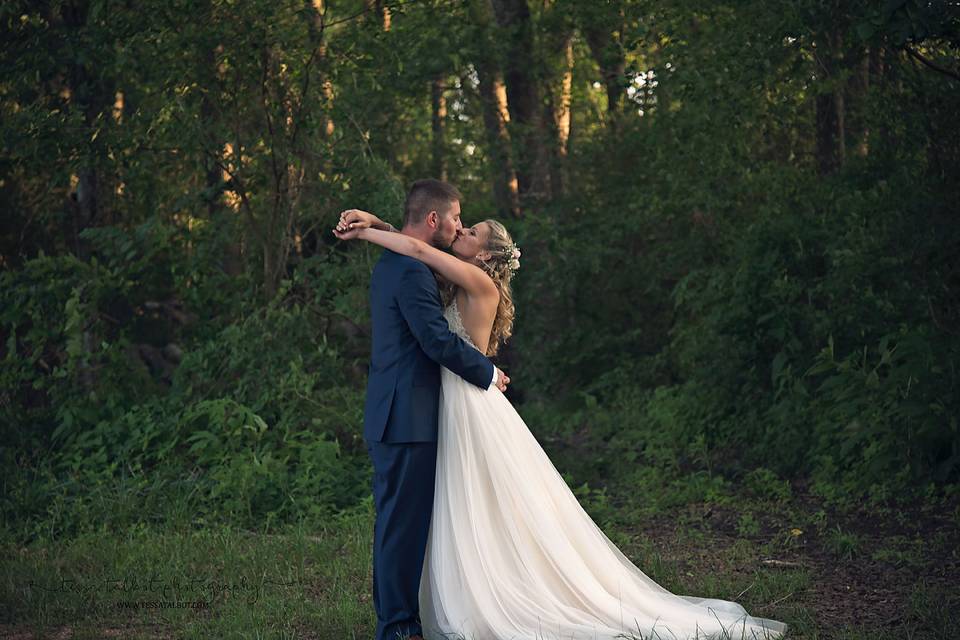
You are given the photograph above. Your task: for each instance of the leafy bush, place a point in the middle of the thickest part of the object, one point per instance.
(257, 423)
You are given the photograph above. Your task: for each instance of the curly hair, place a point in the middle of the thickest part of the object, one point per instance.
(500, 245)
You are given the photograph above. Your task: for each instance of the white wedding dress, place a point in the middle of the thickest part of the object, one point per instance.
(512, 555)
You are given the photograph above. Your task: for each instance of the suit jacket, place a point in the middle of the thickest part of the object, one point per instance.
(411, 340)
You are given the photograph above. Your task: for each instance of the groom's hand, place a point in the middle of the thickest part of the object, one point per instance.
(356, 219)
(502, 380)
(350, 225)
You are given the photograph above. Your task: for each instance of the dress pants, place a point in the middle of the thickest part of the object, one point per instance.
(403, 479)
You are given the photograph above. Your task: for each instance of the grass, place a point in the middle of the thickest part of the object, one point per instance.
(296, 583)
(780, 553)
(302, 582)
(313, 582)
(843, 544)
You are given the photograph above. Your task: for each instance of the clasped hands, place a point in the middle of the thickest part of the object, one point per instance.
(352, 221)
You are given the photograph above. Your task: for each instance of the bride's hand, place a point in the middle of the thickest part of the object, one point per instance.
(356, 219)
(352, 234)
(352, 222)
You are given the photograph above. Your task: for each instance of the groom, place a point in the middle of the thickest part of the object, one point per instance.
(411, 340)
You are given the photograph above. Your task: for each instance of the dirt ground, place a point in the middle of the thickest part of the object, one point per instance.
(868, 588)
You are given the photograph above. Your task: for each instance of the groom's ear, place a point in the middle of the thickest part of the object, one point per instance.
(433, 219)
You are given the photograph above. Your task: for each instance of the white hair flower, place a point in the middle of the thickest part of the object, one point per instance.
(514, 262)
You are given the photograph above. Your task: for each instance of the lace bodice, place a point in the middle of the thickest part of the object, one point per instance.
(455, 321)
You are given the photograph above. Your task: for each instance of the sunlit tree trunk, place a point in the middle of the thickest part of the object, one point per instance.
(493, 94)
(558, 115)
(380, 12)
(496, 116)
(523, 96)
(562, 112)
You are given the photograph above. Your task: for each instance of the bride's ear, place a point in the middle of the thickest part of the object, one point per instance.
(484, 256)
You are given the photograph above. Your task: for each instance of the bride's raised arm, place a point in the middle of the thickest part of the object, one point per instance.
(357, 219)
(463, 274)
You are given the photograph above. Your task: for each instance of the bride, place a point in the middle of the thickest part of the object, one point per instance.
(511, 554)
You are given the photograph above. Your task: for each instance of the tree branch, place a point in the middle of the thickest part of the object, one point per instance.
(930, 63)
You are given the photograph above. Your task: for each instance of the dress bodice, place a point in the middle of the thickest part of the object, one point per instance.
(455, 321)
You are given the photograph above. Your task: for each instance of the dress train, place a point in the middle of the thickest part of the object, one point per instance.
(512, 555)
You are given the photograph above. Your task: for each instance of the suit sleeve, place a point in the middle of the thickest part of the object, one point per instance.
(420, 305)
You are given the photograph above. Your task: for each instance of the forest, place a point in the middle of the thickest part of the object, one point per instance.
(737, 319)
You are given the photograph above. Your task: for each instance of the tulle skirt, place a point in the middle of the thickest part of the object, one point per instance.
(512, 555)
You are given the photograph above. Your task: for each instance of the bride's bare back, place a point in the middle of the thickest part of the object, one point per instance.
(478, 314)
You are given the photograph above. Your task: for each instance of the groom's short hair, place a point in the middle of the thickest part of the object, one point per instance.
(426, 196)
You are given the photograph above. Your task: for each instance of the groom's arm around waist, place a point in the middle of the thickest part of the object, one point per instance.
(420, 305)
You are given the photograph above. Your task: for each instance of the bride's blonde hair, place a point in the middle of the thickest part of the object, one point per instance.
(498, 267)
(500, 245)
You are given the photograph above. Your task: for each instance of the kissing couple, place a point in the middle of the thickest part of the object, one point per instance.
(477, 536)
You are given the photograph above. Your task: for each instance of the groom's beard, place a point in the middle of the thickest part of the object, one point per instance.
(437, 242)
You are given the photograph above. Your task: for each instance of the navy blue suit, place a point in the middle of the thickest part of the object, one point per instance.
(411, 340)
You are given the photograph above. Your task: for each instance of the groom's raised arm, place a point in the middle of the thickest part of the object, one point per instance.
(420, 306)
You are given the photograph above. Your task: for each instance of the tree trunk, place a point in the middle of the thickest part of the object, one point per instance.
(493, 95)
(562, 113)
(316, 27)
(90, 96)
(313, 167)
(496, 115)
(830, 141)
(438, 121)
(891, 78)
(289, 96)
(213, 174)
(380, 13)
(864, 76)
(558, 115)
(523, 97)
(608, 52)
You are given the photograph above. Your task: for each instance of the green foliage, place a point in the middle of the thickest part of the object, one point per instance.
(701, 303)
(257, 421)
(52, 310)
(891, 404)
(727, 307)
